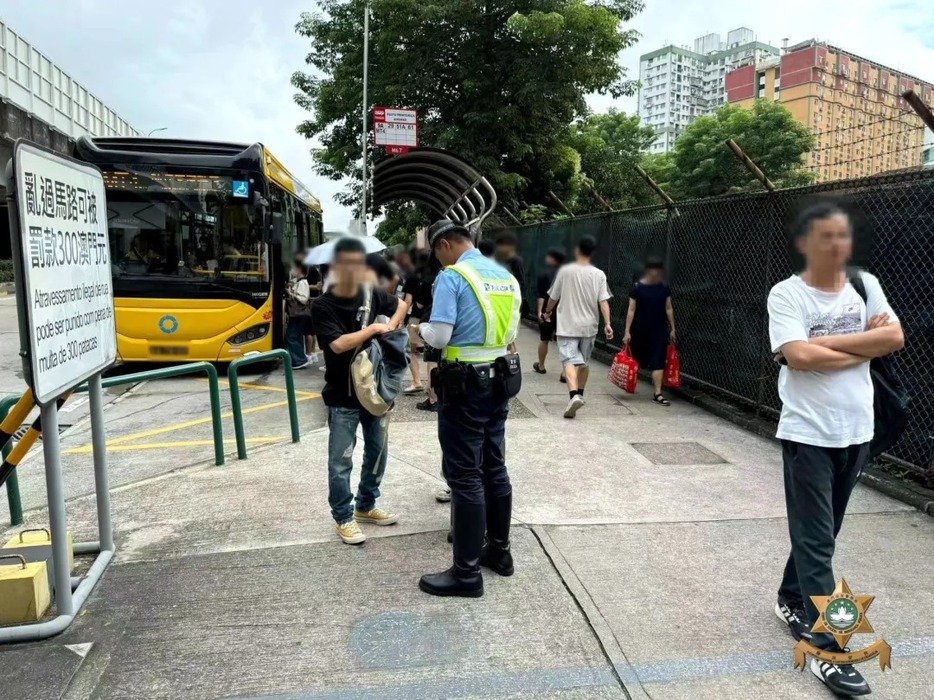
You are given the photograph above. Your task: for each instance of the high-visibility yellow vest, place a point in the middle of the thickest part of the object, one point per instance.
(500, 300)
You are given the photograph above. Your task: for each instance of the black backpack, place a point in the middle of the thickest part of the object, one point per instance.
(891, 402)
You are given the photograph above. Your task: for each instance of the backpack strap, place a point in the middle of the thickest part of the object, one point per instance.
(855, 277)
(367, 308)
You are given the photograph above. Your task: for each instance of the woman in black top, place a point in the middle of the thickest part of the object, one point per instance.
(650, 324)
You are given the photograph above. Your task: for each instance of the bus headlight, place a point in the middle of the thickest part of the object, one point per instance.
(249, 335)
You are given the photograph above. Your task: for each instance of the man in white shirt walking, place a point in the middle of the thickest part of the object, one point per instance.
(582, 290)
(824, 335)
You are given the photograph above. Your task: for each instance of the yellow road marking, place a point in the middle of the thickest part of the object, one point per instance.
(87, 449)
(266, 387)
(201, 421)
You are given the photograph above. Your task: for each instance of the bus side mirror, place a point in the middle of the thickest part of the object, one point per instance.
(276, 230)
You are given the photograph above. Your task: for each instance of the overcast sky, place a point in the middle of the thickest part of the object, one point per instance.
(220, 70)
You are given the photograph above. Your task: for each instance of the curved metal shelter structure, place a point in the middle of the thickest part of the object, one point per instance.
(439, 180)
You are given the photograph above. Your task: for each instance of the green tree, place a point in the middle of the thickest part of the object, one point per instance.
(610, 147)
(496, 82)
(400, 224)
(702, 166)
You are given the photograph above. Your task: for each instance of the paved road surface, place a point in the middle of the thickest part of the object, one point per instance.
(649, 543)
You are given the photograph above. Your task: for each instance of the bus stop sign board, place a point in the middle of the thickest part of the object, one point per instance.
(395, 129)
(65, 288)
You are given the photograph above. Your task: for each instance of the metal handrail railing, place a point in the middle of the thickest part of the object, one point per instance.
(12, 483)
(236, 406)
(178, 371)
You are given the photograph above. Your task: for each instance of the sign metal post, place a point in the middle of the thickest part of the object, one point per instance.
(64, 299)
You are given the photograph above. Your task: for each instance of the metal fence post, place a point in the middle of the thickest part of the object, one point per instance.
(12, 483)
(216, 425)
(236, 405)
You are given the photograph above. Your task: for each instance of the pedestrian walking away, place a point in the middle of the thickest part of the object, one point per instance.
(824, 335)
(338, 319)
(546, 329)
(475, 318)
(298, 308)
(584, 295)
(650, 324)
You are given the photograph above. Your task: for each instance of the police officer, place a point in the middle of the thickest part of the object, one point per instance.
(474, 318)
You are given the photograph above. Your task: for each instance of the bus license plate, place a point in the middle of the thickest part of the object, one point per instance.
(168, 350)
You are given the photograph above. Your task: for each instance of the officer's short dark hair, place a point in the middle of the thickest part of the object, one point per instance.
(348, 244)
(586, 246)
(654, 264)
(507, 238)
(447, 230)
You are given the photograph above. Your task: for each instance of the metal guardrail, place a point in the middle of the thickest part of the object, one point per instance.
(179, 371)
(12, 483)
(234, 381)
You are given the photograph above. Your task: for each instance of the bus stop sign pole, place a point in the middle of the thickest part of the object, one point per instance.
(64, 300)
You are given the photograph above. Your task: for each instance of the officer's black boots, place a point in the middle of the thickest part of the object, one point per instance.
(497, 555)
(464, 578)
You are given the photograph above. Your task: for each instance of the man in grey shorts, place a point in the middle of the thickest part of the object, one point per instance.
(582, 290)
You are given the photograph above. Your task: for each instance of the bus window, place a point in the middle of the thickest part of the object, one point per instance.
(184, 226)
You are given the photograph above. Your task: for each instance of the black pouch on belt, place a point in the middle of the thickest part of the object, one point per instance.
(508, 380)
(452, 380)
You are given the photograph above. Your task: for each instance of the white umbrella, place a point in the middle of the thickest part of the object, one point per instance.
(324, 254)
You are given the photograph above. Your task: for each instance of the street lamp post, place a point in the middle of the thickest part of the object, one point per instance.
(161, 128)
(363, 134)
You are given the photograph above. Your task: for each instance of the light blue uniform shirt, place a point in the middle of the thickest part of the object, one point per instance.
(454, 301)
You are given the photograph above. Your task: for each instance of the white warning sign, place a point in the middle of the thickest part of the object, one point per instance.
(66, 289)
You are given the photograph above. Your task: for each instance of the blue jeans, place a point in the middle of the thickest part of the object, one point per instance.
(342, 440)
(295, 341)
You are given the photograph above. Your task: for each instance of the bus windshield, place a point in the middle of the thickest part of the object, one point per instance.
(198, 227)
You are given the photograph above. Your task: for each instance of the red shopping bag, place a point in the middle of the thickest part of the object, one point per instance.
(672, 367)
(624, 372)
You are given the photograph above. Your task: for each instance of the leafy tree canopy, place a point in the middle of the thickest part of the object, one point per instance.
(610, 147)
(497, 82)
(401, 223)
(702, 166)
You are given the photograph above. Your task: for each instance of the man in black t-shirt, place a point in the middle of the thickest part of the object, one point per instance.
(546, 328)
(337, 317)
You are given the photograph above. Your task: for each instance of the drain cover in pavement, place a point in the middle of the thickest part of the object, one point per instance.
(677, 453)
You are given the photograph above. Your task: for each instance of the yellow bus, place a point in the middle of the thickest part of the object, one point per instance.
(202, 235)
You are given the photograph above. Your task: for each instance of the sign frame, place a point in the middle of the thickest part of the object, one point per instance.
(27, 330)
(381, 115)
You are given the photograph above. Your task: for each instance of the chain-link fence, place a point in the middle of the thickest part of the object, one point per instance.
(723, 255)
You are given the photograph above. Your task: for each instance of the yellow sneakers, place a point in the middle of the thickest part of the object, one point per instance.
(377, 516)
(350, 532)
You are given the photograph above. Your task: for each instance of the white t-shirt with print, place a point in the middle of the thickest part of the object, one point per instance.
(830, 408)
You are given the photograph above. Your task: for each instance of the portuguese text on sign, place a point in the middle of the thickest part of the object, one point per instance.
(67, 289)
(396, 130)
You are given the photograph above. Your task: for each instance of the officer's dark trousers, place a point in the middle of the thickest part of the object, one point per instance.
(472, 434)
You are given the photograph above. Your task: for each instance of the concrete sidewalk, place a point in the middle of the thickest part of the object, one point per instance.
(649, 543)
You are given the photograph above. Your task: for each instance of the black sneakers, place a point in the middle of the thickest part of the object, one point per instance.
(795, 616)
(844, 681)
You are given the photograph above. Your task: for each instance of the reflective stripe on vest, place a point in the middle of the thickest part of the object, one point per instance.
(500, 301)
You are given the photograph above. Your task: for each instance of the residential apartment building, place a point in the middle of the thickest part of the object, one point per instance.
(852, 104)
(679, 84)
